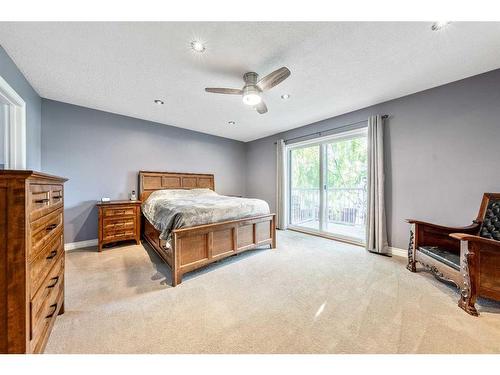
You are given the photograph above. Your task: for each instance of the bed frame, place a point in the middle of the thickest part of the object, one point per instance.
(198, 246)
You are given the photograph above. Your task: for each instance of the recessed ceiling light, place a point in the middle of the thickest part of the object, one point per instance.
(231, 122)
(285, 96)
(436, 26)
(159, 102)
(198, 46)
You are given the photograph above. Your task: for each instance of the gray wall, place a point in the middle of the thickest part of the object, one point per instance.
(442, 151)
(101, 154)
(11, 74)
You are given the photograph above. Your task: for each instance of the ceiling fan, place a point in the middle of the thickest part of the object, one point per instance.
(252, 91)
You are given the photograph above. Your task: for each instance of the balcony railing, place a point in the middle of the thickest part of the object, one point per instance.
(343, 206)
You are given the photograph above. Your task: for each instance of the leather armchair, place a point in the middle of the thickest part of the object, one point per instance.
(468, 257)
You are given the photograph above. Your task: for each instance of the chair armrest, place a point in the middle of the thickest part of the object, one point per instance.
(477, 239)
(467, 229)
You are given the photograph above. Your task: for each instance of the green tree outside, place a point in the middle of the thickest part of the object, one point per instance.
(346, 165)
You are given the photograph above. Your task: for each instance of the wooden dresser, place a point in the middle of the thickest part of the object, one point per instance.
(31, 259)
(119, 221)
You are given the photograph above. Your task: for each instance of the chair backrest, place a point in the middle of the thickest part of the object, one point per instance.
(489, 215)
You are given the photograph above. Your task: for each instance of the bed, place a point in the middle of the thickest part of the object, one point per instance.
(186, 248)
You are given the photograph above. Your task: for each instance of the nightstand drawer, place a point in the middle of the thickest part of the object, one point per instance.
(118, 211)
(118, 235)
(118, 224)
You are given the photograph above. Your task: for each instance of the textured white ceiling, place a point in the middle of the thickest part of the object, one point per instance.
(336, 67)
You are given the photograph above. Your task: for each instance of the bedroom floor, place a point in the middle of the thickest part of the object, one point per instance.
(311, 295)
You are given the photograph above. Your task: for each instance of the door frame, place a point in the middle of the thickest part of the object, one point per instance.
(15, 127)
(320, 141)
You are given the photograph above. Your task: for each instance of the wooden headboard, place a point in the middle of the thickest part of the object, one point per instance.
(151, 181)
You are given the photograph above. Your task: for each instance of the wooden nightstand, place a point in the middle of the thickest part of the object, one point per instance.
(119, 221)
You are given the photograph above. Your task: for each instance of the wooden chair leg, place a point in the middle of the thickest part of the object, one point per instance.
(469, 269)
(468, 304)
(412, 267)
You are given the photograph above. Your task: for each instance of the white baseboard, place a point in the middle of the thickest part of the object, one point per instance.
(396, 251)
(80, 245)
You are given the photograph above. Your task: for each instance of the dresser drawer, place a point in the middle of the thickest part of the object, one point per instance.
(118, 211)
(43, 262)
(46, 300)
(44, 229)
(41, 331)
(56, 195)
(44, 198)
(118, 224)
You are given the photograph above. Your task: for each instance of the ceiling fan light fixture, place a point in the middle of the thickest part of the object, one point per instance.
(231, 122)
(252, 91)
(251, 95)
(251, 99)
(159, 102)
(285, 96)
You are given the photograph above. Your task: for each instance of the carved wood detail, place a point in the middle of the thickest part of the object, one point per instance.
(411, 248)
(438, 274)
(467, 297)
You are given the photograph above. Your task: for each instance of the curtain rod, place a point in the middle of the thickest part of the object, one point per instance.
(329, 130)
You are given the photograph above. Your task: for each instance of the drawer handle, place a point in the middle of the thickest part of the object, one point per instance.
(44, 200)
(56, 280)
(54, 307)
(57, 197)
(50, 227)
(52, 254)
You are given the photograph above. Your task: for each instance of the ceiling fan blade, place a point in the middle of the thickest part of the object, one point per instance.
(217, 90)
(261, 107)
(274, 78)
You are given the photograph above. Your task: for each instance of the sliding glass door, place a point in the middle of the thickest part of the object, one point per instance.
(305, 187)
(327, 186)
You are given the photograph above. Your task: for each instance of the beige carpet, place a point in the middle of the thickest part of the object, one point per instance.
(311, 295)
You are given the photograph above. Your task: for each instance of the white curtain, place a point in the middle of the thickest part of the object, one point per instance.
(376, 231)
(281, 184)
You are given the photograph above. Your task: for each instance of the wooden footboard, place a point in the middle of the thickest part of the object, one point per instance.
(196, 247)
